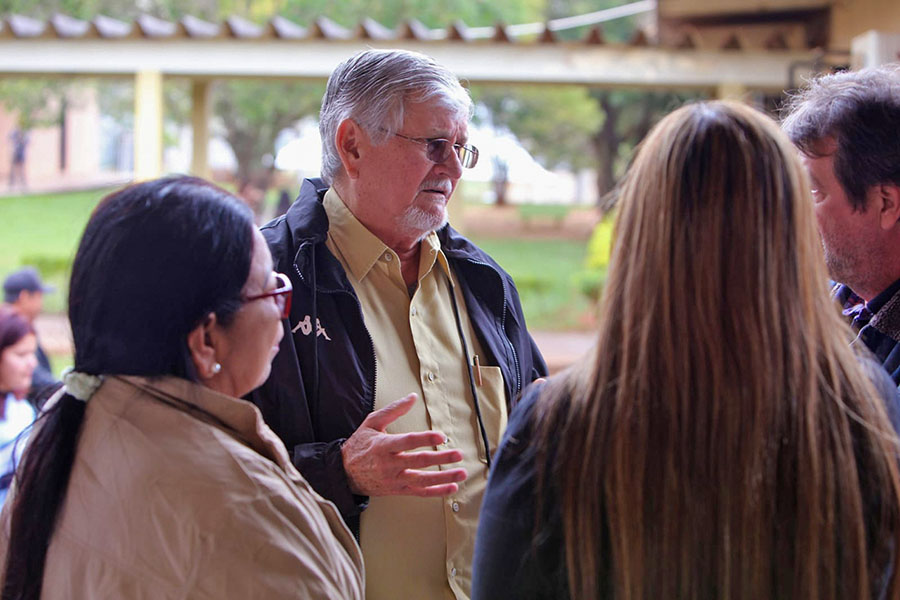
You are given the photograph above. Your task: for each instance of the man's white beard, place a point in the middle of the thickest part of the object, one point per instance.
(420, 221)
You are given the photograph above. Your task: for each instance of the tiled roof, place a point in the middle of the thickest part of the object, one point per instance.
(786, 37)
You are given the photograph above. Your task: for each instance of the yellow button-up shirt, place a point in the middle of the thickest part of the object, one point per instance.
(420, 547)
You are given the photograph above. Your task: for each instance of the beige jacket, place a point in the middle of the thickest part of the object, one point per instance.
(180, 492)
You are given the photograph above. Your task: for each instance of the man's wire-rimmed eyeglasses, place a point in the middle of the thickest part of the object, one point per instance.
(437, 150)
(282, 295)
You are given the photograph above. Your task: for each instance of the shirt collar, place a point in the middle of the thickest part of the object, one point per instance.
(431, 246)
(875, 304)
(361, 249)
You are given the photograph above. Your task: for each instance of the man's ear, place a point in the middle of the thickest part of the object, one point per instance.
(349, 139)
(203, 353)
(887, 196)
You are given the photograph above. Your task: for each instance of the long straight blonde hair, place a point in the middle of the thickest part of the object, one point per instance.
(725, 441)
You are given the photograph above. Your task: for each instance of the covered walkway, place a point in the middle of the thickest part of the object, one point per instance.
(150, 50)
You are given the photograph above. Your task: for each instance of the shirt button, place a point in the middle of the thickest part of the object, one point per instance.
(430, 376)
(413, 311)
(455, 506)
(388, 257)
(453, 572)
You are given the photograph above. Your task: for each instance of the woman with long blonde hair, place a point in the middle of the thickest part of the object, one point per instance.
(724, 441)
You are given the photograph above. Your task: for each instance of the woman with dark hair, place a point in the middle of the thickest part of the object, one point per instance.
(724, 441)
(18, 359)
(146, 476)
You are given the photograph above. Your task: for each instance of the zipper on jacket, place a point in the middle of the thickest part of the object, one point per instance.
(505, 337)
(315, 290)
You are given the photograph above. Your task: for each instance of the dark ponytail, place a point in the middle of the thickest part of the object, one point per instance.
(154, 260)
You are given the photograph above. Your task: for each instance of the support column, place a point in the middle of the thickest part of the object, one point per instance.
(200, 109)
(148, 125)
(731, 90)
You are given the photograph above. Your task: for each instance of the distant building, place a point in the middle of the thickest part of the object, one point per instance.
(830, 25)
(69, 149)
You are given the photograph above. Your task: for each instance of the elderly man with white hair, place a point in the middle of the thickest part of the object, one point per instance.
(391, 302)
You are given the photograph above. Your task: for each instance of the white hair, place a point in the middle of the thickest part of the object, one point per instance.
(372, 87)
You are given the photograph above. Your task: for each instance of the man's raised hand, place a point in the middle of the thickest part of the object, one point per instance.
(382, 464)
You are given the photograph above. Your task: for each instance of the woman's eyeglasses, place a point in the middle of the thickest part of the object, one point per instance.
(437, 150)
(282, 295)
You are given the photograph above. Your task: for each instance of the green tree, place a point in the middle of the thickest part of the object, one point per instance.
(36, 102)
(628, 117)
(554, 123)
(580, 126)
(253, 114)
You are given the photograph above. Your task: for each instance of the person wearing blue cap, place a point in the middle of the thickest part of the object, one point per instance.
(24, 291)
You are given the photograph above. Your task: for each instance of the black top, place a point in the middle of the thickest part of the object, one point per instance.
(514, 561)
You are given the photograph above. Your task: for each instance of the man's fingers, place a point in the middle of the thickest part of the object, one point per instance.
(399, 442)
(418, 482)
(433, 491)
(381, 418)
(422, 460)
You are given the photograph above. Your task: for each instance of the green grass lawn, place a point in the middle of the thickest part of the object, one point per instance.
(546, 273)
(43, 230)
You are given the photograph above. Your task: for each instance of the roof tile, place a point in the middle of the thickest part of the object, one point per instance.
(328, 29)
(111, 28)
(741, 37)
(69, 27)
(414, 29)
(372, 29)
(286, 29)
(458, 31)
(240, 27)
(501, 35)
(198, 28)
(25, 27)
(153, 27)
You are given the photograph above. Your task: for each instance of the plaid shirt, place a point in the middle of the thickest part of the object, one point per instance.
(876, 323)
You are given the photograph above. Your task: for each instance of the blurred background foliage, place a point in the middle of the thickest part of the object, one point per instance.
(563, 126)
(571, 127)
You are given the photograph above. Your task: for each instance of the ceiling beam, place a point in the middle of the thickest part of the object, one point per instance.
(475, 61)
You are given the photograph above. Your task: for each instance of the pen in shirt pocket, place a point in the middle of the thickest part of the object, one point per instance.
(476, 367)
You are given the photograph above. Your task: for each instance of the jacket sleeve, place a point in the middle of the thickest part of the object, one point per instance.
(322, 465)
(284, 406)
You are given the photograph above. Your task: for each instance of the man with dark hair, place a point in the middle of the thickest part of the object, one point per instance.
(19, 139)
(846, 126)
(24, 291)
(390, 301)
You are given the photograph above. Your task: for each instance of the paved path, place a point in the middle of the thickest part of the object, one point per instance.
(560, 348)
(54, 333)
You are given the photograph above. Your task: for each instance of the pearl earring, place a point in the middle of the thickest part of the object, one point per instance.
(216, 368)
